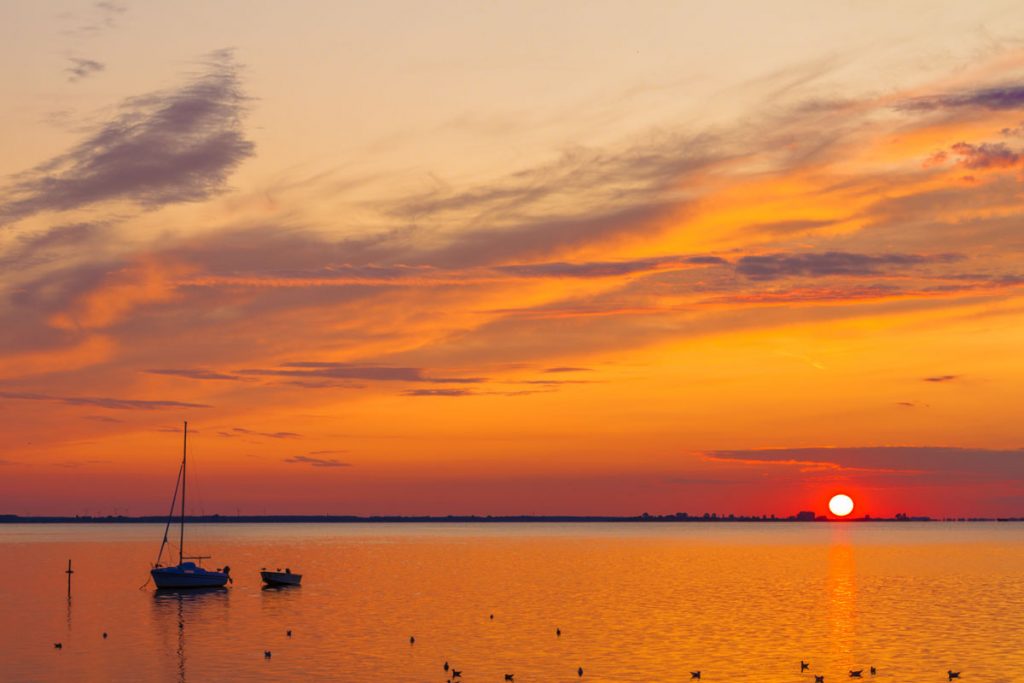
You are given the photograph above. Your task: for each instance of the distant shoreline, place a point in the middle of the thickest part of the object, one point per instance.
(680, 518)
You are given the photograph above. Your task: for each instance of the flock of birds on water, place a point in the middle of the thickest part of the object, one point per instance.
(456, 676)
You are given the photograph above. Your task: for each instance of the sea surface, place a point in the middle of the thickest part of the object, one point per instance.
(634, 602)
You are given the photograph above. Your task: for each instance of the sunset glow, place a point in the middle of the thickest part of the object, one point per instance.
(724, 261)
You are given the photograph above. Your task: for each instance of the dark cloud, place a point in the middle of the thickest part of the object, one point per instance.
(173, 146)
(317, 462)
(776, 266)
(193, 373)
(567, 369)
(352, 371)
(1007, 97)
(102, 418)
(82, 68)
(439, 392)
(591, 269)
(942, 378)
(986, 155)
(101, 402)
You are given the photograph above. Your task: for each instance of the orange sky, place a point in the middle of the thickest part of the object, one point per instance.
(610, 275)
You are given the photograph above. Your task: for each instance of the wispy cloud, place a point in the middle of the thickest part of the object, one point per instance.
(82, 68)
(173, 146)
(193, 373)
(775, 266)
(100, 402)
(942, 378)
(316, 462)
(1000, 98)
(354, 371)
(240, 431)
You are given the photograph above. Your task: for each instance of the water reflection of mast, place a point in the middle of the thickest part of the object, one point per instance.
(181, 640)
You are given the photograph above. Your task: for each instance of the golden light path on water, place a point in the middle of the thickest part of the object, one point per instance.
(634, 602)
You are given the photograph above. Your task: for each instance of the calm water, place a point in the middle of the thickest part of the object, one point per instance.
(642, 602)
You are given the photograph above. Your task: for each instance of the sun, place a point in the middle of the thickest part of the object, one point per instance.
(840, 505)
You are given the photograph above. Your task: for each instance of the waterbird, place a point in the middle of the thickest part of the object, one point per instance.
(446, 666)
(873, 671)
(695, 674)
(492, 617)
(288, 633)
(558, 632)
(952, 674)
(580, 672)
(412, 640)
(819, 679)
(104, 635)
(510, 677)
(856, 674)
(804, 666)
(58, 645)
(266, 654)
(456, 674)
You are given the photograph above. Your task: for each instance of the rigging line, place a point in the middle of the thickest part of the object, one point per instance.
(170, 514)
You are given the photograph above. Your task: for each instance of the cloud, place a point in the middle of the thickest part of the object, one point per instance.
(925, 462)
(592, 269)
(81, 68)
(164, 147)
(101, 402)
(193, 373)
(317, 462)
(1001, 98)
(986, 155)
(567, 369)
(353, 371)
(942, 378)
(439, 392)
(269, 435)
(776, 266)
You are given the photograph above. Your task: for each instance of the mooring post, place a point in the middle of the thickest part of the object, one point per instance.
(69, 572)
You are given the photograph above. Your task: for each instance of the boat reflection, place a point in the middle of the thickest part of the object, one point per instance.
(179, 607)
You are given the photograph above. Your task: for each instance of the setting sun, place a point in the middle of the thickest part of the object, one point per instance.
(840, 505)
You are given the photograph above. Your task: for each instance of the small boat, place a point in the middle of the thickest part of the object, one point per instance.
(185, 574)
(280, 578)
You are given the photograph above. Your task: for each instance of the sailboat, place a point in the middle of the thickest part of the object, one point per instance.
(185, 574)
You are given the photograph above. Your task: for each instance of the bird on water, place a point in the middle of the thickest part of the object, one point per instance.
(856, 674)
(289, 633)
(819, 679)
(266, 654)
(446, 666)
(558, 632)
(873, 671)
(694, 674)
(58, 645)
(952, 674)
(510, 677)
(104, 635)
(804, 666)
(412, 640)
(579, 671)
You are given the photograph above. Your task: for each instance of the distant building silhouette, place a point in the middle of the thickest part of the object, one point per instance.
(805, 516)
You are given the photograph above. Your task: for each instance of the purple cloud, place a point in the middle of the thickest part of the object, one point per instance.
(101, 402)
(317, 462)
(165, 147)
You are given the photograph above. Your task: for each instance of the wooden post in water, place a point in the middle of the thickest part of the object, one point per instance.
(69, 572)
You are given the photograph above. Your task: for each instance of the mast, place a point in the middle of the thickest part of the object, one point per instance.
(184, 452)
